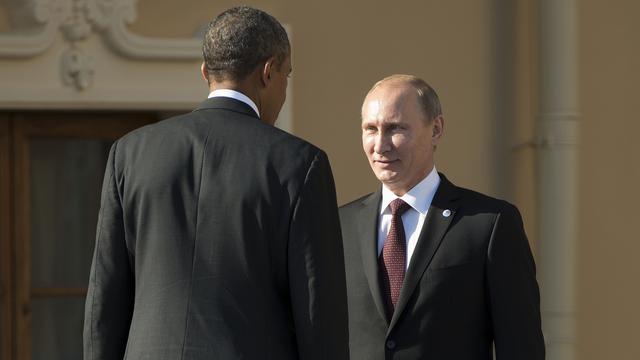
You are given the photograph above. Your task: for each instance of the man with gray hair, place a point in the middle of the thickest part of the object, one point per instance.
(218, 235)
(434, 271)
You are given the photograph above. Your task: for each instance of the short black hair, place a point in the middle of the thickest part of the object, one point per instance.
(239, 39)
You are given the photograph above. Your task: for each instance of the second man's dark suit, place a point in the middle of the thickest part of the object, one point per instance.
(218, 238)
(471, 281)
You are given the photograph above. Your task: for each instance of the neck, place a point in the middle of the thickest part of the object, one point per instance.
(247, 86)
(236, 87)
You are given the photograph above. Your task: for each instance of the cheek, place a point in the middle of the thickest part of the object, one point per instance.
(421, 151)
(367, 143)
(400, 142)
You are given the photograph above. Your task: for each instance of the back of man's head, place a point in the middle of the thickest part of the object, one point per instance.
(240, 39)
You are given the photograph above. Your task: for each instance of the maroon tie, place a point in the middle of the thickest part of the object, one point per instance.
(393, 258)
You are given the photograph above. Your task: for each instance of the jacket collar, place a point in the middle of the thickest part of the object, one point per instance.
(220, 102)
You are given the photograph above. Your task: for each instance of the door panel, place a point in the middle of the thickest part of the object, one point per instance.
(65, 178)
(56, 331)
(66, 175)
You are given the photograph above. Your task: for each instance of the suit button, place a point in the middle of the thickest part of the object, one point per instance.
(391, 344)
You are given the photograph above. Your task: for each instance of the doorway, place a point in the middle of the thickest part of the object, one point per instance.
(51, 168)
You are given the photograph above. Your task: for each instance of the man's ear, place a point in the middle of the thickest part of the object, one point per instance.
(438, 129)
(204, 72)
(267, 69)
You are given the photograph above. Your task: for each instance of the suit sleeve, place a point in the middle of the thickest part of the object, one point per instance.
(109, 302)
(316, 268)
(513, 291)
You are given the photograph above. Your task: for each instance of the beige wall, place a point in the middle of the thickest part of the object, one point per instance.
(184, 18)
(609, 239)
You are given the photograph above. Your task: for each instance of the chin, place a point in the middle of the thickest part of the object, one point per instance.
(386, 177)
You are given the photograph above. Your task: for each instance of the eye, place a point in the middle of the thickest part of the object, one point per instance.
(369, 129)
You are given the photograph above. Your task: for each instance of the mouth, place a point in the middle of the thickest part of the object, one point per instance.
(384, 163)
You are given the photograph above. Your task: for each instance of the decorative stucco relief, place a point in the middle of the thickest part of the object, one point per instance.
(38, 23)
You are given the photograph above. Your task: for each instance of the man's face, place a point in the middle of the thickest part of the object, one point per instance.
(277, 92)
(396, 136)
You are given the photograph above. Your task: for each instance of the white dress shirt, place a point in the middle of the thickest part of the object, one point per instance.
(235, 95)
(419, 198)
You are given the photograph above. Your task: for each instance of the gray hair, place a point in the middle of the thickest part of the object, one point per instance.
(426, 95)
(241, 38)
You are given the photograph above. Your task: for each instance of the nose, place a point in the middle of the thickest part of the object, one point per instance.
(381, 144)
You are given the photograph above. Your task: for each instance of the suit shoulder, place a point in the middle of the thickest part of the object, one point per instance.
(486, 203)
(260, 135)
(284, 147)
(352, 203)
(285, 139)
(348, 208)
(168, 125)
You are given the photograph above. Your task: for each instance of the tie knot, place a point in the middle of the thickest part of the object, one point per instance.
(398, 207)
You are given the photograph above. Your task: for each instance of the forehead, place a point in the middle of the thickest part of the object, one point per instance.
(390, 103)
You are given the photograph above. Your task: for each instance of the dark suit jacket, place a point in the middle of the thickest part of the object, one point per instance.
(471, 281)
(218, 238)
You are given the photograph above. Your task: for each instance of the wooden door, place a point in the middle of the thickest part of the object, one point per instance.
(56, 163)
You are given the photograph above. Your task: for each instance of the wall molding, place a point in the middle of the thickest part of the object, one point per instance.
(80, 55)
(40, 22)
(139, 47)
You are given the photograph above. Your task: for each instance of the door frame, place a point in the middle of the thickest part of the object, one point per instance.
(6, 250)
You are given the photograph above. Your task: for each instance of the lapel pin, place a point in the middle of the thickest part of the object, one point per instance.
(446, 213)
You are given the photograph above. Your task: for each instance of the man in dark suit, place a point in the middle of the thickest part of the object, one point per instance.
(218, 235)
(434, 271)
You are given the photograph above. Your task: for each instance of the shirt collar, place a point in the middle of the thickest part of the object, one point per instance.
(419, 197)
(235, 95)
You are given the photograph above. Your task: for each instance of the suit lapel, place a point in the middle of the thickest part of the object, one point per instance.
(368, 234)
(433, 230)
